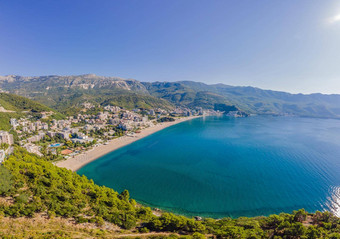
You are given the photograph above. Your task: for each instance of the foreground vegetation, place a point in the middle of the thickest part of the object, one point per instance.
(31, 186)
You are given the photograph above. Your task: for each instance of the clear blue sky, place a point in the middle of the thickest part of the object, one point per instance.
(284, 45)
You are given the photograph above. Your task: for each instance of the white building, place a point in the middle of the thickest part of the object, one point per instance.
(36, 138)
(64, 134)
(14, 122)
(5, 137)
(2, 155)
(32, 148)
(152, 112)
(125, 126)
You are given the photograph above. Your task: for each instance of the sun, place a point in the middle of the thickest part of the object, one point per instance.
(334, 19)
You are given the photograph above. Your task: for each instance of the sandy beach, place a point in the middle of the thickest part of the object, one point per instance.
(80, 160)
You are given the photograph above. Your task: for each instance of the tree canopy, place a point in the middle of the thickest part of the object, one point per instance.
(36, 185)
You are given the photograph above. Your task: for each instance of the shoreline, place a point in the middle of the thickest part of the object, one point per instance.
(80, 160)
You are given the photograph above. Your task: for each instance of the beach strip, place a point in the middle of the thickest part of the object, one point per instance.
(80, 160)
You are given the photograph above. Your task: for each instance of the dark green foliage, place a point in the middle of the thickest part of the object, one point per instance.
(248, 99)
(66, 93)
(71, 100)
(5, 119)
(36, 185)
(258, 101)
(173, 223)
(22, 198)
(300, 215)
(19, 106)
(19, 103)
(182, 95)
(225, 108)
(131, 101)
(63, 193)
(166, 119)
(198, 235)
(6, 181)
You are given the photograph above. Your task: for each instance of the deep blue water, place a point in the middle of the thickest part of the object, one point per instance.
(220, 166)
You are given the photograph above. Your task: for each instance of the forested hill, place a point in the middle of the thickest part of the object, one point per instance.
(65, 92)
(14, 106)
(32, 189)
(17, 103)
(249, 99)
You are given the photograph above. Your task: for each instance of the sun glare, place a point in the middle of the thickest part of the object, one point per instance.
(334, 19)
(334, 201)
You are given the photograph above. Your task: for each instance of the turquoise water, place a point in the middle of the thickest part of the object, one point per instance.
(55, 145)
(220, 166)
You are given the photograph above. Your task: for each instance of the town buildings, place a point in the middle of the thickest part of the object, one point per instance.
(2, 155)
(6, 138)
(86, 128)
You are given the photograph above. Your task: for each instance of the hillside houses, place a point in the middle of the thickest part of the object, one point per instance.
(85, 128)
(6, 138)
(78, 129)
(2, 156)
(36, 138)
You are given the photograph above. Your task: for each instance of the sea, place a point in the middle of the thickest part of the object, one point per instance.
(218, 166)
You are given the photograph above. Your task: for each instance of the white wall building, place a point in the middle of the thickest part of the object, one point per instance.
(5, 137)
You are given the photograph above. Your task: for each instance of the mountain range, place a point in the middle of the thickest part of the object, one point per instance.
(68, 92)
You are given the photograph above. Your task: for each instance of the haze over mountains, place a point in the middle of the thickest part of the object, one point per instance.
(62, 92)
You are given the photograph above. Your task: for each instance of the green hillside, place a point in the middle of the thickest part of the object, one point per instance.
(66, 93)
(14, 106)
(5, 118)
(18, 103)
(258, 101)
(249, 99)
(68, 101)
(31, 186)
(131, 101)
(182, 95)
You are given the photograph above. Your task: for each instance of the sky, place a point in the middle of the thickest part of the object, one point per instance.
(288, 45)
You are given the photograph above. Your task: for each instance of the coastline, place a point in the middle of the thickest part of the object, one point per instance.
(80, 160)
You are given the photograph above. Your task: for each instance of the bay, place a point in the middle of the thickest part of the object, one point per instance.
(218, 166)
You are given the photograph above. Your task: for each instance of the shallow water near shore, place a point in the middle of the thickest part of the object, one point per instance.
(221, 166)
